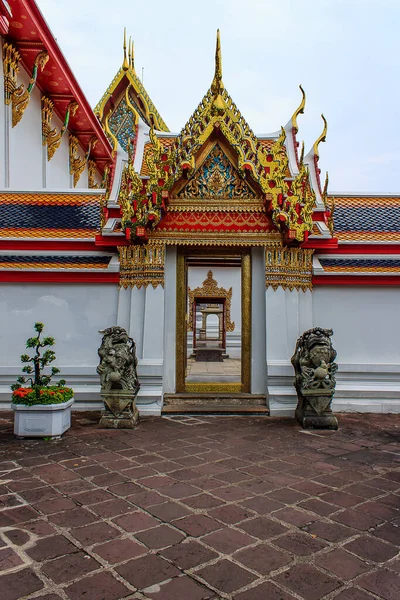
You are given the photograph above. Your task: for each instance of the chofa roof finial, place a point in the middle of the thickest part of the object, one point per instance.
(125, 64)
(299, 110)
(322, 137)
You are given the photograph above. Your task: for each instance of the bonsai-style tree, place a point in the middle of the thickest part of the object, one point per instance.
(40, 390)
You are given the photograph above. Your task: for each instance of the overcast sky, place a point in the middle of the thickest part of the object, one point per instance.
(345, 53)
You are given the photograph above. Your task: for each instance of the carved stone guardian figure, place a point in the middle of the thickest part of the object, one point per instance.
(118, 379)
(313, 362)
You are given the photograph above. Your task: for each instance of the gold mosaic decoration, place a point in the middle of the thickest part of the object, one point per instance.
(128, 72)
(290, 268)
(210, 289)
(11, 68)
(92, 168)
(141, 266)
(51, 137)
(20, 97)
(290, 203)
(78, 163)
(216, 179)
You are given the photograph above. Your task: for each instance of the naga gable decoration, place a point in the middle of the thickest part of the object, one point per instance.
(118, 379)
(315, 369)
(21, 96)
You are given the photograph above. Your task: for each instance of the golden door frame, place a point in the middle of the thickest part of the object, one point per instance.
(182, 316)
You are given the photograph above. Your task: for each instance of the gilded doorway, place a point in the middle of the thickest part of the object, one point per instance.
(213, 321)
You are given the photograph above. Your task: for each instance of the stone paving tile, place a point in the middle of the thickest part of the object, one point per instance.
(342, 564)
(89, 587)
(197, 525)
(383, 583)
(265, 591)
(9, 559)
(51, 547)
(180, 587)
(226, 576)
(263, 558)
(353, 593)
(159, 537)
(20, 584)
(147, 570)
(118, 551)
(301, 544)
(368, 548)
(67, 568)
(307, 581)
(191, 508)
(228, 540)
(188, 554)
(168, 511)
(263, 528)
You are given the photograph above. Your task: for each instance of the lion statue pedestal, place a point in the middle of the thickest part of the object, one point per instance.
(313, 362)
(118, 379)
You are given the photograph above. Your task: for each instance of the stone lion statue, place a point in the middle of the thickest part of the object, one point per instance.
(315, 382)
(118, 361)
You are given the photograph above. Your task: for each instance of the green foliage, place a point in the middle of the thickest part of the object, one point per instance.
(54, 394)
(40, 390)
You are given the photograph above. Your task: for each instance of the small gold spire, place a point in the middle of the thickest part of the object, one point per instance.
(299, 110)
(325, 192)
(125, 64)
(217, 86)
(130, 52)
(302, 152)
(132, 56)
(322, 137)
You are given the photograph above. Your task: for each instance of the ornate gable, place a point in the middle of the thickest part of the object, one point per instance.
(217, 164)
(216, 178)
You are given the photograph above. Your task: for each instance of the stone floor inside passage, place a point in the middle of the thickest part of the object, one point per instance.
(193, 508)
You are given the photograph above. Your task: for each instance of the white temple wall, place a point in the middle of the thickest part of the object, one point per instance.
(57, 169)
(141, 313)
(366, 325)
(73, 315)
(26, 149)
(3, 163)
(288, 314)
(366, 332)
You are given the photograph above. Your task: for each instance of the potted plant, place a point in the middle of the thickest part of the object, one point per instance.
(41, 409)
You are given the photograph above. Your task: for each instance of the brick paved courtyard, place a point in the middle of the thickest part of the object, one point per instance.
(202, 508)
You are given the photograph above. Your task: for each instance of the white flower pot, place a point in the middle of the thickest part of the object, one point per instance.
(42, 420)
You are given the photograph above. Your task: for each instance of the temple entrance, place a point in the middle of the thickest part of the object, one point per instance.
(214, 339)
(213, 321)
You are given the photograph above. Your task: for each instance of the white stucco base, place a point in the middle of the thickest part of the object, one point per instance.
(364, 319)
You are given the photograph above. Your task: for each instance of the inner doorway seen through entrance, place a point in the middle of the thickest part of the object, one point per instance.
(212, 335)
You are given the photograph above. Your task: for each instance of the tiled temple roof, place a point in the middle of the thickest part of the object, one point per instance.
(367, 218)
(43, 261)
(49, 215)
(357, 265)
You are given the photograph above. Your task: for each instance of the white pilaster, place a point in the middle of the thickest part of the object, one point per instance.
(137, 312)
(124, 308)
(169, 320)
(258, 324)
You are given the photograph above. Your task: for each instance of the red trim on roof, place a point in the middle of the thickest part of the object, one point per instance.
(57, 277)
(374, 280)
(46, 245)
(363, 249)
(321, 244)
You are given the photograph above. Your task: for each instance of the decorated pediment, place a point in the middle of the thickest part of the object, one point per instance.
(216, 179)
